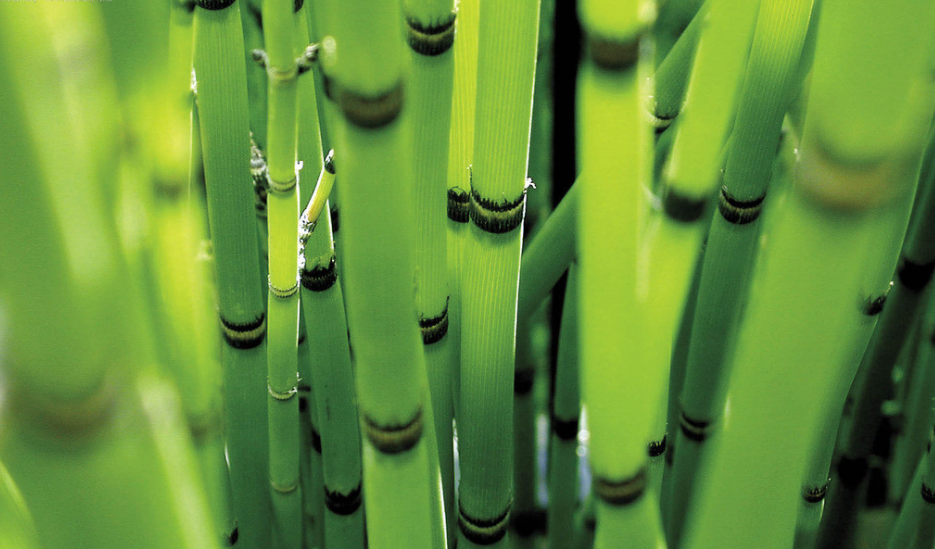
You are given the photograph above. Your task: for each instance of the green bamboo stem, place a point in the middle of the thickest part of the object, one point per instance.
(310, 457)
(17, 530)
(671, 77)
(905, 527)
(507, 43)
(430, 35)
(363, 62)
(279, 20)
(332, 377)
(615, 157)
(925, 532)
(251, 15)
(674, 18)
(733, 236)
(526, 519)
(566, 408)
(799, 332)
(223, 109)
(460, 156)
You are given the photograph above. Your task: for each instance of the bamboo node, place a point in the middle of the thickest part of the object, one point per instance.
(851, 471)
(394, 439)
(484, 531)
(203, 426)
(284, 488)
(459, 205)
(694, 429)
(283, 395)
(565, 429)
(316, 440)
(739, 212)
(623, 492)
(214, 5)
(529, 522)
(187, 5)
(614, 54)
(231, 539)
(815, 494)
(328, 163)
(283, 292)
(343, 504)
(282, 187)
(682, 208)
(245, 335)
(657, 447)
(298, 5)
(320, 277)
(497, 216)
(928, 494)
(434, 328)
(306, 61)
(915, 276)
(873, 305)
(523, 379)
(433, 38)
(370, 111)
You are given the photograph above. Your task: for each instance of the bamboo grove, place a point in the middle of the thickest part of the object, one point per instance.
(321, 274)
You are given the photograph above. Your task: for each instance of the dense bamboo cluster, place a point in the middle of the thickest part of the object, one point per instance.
(322, 274)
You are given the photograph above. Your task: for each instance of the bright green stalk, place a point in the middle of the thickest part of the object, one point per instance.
(333, 380)
(734, 234)
(671, 77)
(257, 86)
(430, 35)
(279, 19)
(614, 142)
(905, 527)
(17, 530)
(364, 64)
(799, 333)
(507, 44)
(563, 456)
(460, 156)
(222, 107)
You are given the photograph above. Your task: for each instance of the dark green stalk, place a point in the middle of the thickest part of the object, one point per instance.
(671, 77)
(222, 106)
(430, 28)
(674, 18)
(508, 38)
(364, 64)
(566, 408)
(734, 234)
(925, 532)
(906, 522)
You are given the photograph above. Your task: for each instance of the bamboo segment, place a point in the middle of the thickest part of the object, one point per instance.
(614, 143)
(460, 156)
(671, 77)
(907, 521)
(222, 107)
(925, 533)
(798, 335)
(430, 35)
(563, 457)
(506, 69)
(363, 61)
(17, 530)
(733, 235)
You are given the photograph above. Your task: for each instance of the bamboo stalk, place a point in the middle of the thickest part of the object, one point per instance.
(507, 44)
(798, 334)
(17, 530)
(925, 533)
(671, 78)
(563, 456)
(734, 234)
(905, 527)
(222, 106)
(364, 61)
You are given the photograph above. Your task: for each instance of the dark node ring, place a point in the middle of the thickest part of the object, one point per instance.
(484, 532)
(872, 306)
(682, 208)
(334, 219)
(233, 537)
(523, 379)
(316, 440)
(435, 328)
(613, 54)
(670, 455)
(459, 205)
(303, 403)
(497, 217)
(214, 5)
(431, 39)
(528, 523)
(343, 504)
(298, 5)
(814, 494)
(928, 494)
(915, 276)
(739, 212)
(694, 429)
(394, 439)
(852, 471)
(657, 447)
(565, 429)
(187, 5)
(329, 162)
(244, 335)
(371, 112)
(319, 278)
(622, 492)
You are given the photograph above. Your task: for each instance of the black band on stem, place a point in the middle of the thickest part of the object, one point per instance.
(431, 39)
(459, 205)
(852, 471)
(915, 276)
(565, 429)
(343, 504)
(316, 440)
(815, 494)
(523, 379)
(319, 278)
(371, 111)
(484, 531)
(694, 429)
(214, 5)
(497, 217)
(928, 494)
(872, 306)
(682, 208)
(612, 54)
(435, 328)
(621, 492)
(528, 523)
(394, 439)
(246, 335)
(739, 212)
(657, 447)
